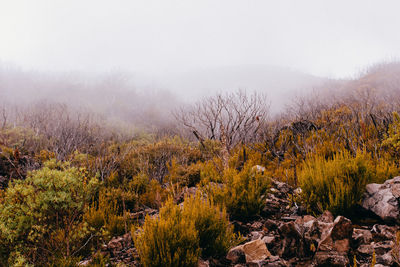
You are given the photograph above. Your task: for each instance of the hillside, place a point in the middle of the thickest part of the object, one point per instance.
(219, 183)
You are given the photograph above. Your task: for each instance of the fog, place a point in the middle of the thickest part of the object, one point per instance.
(123, 56)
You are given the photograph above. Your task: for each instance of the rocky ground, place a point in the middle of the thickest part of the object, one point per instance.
(285, 236)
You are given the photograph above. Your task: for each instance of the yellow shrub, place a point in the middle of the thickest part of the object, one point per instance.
(154, 196)
(105, 215)
(169, 240)
(216, 235)
(243, 193)
(337, 184)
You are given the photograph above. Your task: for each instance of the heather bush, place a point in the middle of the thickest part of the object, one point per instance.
(164, 241)
(104, 215)
(168, 240)
(243, 193)
(216, 235)
(337, 183)
(392, 140)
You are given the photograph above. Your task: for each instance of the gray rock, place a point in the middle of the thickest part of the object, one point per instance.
(256, 235)
(362, 236)
(382, 199)
(385, 259)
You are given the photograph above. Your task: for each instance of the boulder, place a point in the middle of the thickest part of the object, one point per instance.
(383, 199)
(253, 251)
(292, 244)
(339, 236)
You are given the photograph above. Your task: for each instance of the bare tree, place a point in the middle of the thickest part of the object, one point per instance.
(232, 118)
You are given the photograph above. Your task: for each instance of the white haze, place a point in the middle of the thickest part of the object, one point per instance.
(195, 48)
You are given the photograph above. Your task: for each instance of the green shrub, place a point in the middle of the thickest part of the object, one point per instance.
(337, 184)
(243, 193)
(168, 240)
(40, 217)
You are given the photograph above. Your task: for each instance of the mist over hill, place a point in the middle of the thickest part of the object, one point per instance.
(279, 83)
(147, 100)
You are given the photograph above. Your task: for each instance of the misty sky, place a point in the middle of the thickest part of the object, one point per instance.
(329, 38)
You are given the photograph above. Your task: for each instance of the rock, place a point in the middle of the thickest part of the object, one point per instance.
(365, 250)
(338, 237)
(121, 250)
(273, 261)
(268, 239)
(326, 217)
(383, 247)
(385, 259)
(84, 263)
(257, 225)
(252, 251)
(384, 232)
(202, 263)
(292, 244)
(279, 202)
(283, 188)
(342, 228)
(258, 168)
(256, 235)
(331, 259)
(382, 199)
(362, 236)
(255, 251)
(236, 255)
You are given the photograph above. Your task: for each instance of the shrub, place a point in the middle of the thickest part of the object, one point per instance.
(216, 235)
(169, 240)
(40, 217)
(243, 193)
(154, 195)
(104, 215)
(180, 234)
(337, 184)
(392, 140)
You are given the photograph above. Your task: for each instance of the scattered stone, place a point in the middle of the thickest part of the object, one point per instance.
(383, 199)
(362, 236)
(236, 255)
(331, 259)
(255, 251)
(203, 263)
(326, 217)
(256, 235)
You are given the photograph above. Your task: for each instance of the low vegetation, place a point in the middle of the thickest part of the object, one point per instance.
(69, 183)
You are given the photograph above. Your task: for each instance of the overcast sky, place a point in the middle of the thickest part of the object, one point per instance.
(330, 38)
